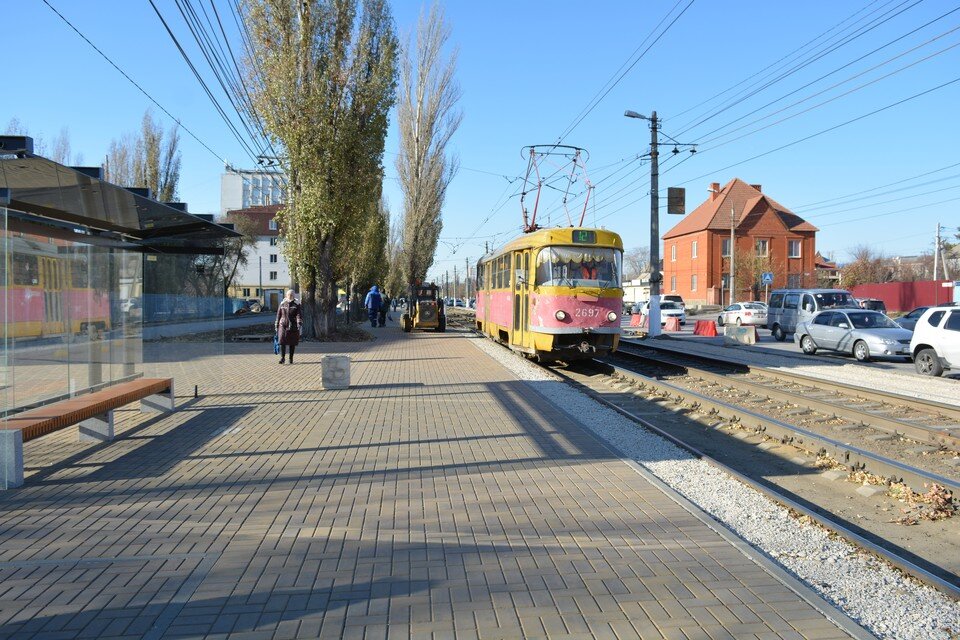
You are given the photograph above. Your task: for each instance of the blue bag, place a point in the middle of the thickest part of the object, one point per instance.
(276, 344)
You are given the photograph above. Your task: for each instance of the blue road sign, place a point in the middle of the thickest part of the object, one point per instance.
(766, 277)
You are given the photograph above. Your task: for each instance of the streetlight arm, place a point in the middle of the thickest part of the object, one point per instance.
(633, 114)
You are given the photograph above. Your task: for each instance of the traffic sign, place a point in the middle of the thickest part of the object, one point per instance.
(766, 277)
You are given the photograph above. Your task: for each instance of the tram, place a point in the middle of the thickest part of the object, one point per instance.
(553, 294)
(47, 292)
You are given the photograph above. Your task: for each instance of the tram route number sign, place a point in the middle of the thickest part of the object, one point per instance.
(766, 277)
(584, 237)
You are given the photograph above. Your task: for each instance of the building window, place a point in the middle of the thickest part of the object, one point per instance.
(793, 281)
(693, 282)
(725, 247)
(246, 293)
(725, 281)
(763, 248)
(673, 253)
(273, 275)
(273, 242)
(257, 293)
(673, 283)
(272, 225)
(793, 248)
(693, 249)
(273, 258)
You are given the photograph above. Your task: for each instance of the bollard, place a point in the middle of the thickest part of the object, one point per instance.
(335, 372)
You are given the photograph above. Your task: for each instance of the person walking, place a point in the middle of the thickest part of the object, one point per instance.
(288, 325)
(384, 308)
(373, 303)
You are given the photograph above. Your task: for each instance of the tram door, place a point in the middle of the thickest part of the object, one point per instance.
(51, 281)
(521, 275)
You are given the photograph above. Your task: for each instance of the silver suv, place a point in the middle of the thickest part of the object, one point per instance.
(935, 345)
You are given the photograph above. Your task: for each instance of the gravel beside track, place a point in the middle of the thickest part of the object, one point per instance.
(868, 590)
(870, 376)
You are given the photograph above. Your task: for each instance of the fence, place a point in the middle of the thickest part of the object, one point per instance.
(904, 296)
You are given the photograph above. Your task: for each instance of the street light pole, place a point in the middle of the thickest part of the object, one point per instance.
(653, 317)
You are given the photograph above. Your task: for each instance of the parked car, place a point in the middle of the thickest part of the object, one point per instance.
(458, 302)
(873, 304)
(909, 321)
(668, 309)
(865, 334)
(935, 345)
(748, 313)
(673, 298)
(790, 307)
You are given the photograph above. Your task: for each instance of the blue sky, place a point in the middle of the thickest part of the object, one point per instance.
(527, 69)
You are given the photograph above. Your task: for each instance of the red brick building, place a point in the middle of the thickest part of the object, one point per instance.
(769, 237)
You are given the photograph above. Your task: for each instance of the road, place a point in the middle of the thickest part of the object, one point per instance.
(156, 331)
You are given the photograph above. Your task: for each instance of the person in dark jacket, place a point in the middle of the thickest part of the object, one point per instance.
(289, 323)
(384, 308)
(373, 303)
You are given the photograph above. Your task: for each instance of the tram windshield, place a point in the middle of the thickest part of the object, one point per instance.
(579, 267)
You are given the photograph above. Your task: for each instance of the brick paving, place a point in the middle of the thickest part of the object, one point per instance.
(436, 498)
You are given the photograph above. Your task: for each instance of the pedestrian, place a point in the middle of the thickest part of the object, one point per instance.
(394, 303)
(288, 325)
(373, 302)
(384, 308)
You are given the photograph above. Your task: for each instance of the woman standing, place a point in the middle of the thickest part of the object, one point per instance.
(288, 325)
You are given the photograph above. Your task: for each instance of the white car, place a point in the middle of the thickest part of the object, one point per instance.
(748, 313)
(935, 345)
(667, 310)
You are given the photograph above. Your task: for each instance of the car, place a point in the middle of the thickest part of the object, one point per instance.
(673, 298)
(873, 304)
(864, 334)
(909, 320)
(935, 345)
(458, 302)
(668, 309)
(748, 313)
(790, 307)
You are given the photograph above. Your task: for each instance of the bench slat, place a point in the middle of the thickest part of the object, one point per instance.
(43, 420)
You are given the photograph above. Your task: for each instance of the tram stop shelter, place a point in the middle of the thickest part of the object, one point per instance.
(100, 284)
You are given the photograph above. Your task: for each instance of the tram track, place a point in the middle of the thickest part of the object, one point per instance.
(614, 388)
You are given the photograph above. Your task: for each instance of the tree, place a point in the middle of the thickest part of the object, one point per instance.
(58, 151)
(867, 266)
(236, 251)
(321, 76)
(428, 117)
(636, 261)
(395, 281)
(149, 158)
(750, 270)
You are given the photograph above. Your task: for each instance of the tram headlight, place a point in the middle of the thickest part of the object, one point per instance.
(612, 316)
(561, 315)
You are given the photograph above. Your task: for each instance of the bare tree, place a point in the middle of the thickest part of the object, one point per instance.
(636, 261)
(867, 266)
(149, 158)
(58, 150)
(428, 117)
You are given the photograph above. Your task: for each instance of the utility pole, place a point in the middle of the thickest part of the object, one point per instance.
(264, 300)
(936, 252)
(446, 284)
(733, 249)
(456, 282)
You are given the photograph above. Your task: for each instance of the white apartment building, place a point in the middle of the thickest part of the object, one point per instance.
(242, 188)
(266, 275)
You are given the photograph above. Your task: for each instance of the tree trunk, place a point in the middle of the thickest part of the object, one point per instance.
(325, 292)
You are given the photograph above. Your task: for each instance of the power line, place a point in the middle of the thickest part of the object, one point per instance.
(811, 205)
(134, 83)
(890, 213)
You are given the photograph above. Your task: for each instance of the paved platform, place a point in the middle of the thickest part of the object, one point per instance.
(437, 498)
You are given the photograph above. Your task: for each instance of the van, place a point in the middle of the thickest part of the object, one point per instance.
(788, 307)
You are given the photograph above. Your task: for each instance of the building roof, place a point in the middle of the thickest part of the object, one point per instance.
(261, 215)
(823, 263)
(714, 212)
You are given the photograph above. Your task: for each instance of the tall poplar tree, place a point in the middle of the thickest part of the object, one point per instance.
(322, 79)
(428, 117)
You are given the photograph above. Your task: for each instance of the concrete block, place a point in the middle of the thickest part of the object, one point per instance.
(159, 402)
(335, 372)
(733, 335)
(11, 458)
(869, 490)
(834, 474)
(97, 429)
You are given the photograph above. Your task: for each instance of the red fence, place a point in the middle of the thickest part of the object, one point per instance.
(904, 296)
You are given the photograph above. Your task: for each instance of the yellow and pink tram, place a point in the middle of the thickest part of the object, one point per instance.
(553, 294)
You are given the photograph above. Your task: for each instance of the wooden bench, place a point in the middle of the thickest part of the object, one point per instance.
(93, 412)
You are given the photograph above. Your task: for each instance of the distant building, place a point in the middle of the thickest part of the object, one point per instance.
(769, 237)
(266, 274)
(240, 188)
(828, 273)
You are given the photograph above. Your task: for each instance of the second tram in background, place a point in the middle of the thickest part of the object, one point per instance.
(553, 294)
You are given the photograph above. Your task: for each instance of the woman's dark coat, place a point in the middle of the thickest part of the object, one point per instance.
(289, 323)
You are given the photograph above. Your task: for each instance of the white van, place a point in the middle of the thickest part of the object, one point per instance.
(788, 307)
